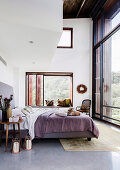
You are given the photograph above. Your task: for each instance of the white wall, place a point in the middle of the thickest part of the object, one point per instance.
(10, 76)
(77, 60)
(6, 72)
(16, 85)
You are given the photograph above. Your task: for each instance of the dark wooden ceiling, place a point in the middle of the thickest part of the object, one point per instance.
(78, 8)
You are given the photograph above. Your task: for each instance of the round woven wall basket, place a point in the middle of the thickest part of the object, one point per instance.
(81, 88)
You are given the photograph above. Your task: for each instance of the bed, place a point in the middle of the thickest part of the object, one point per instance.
(50, 125)
(44, 123)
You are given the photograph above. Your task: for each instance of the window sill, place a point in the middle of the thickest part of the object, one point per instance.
(50, 107)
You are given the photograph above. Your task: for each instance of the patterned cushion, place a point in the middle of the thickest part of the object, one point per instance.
(49, 102)
(64, 103)
(84, 107)
(60, 102)
(67, 102)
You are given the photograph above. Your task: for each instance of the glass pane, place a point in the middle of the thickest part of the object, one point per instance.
(115, 122)
(116, 69)
(65, 40)
(116, 20)
(97, 80)
(112, 113)
(116, 114)
(27, 90)
(111, 15)
(98, 29)
(35, 90)
(57, 87)
(32, 90)
(97, 116)
(111, 71)
(97, 103)
(39, 90)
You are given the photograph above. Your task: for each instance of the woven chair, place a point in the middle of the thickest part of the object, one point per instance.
(85, 107)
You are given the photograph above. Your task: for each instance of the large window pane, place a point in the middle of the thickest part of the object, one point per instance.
(98, 29)
(32, 90)
(116, 70)
(39, 93)
(35, 90)
(115, 113)
(116, 20)
(108, 19)
(111, 70)
(57, 87)
(97, 95)
(111, 15)
(107, 75)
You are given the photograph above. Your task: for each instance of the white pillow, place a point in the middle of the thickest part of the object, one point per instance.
(61, 112)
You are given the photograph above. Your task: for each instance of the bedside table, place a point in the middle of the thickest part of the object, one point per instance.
(7, 128)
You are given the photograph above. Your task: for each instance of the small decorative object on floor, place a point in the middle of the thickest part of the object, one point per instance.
(28, 143)
(15, 145)
(81, 88)
(6, 108)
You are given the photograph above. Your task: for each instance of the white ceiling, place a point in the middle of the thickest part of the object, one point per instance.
(22, 21)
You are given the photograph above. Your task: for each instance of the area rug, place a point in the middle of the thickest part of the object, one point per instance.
(109, 140)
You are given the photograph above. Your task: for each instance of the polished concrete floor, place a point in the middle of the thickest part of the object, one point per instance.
(48, 154)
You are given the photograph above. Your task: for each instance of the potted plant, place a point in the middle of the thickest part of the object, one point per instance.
(6, 107)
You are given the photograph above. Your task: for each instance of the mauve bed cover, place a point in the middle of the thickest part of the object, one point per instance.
(49, 122)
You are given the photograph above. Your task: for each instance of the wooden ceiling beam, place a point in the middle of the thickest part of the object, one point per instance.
(97, 7)
(83, 3)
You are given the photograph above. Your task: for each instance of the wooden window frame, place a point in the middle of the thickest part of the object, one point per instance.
(70, 29)
(70, 74)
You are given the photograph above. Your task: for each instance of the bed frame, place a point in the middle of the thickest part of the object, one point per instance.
(85, 134)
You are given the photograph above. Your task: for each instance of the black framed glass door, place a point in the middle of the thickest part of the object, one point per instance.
(106, 67)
